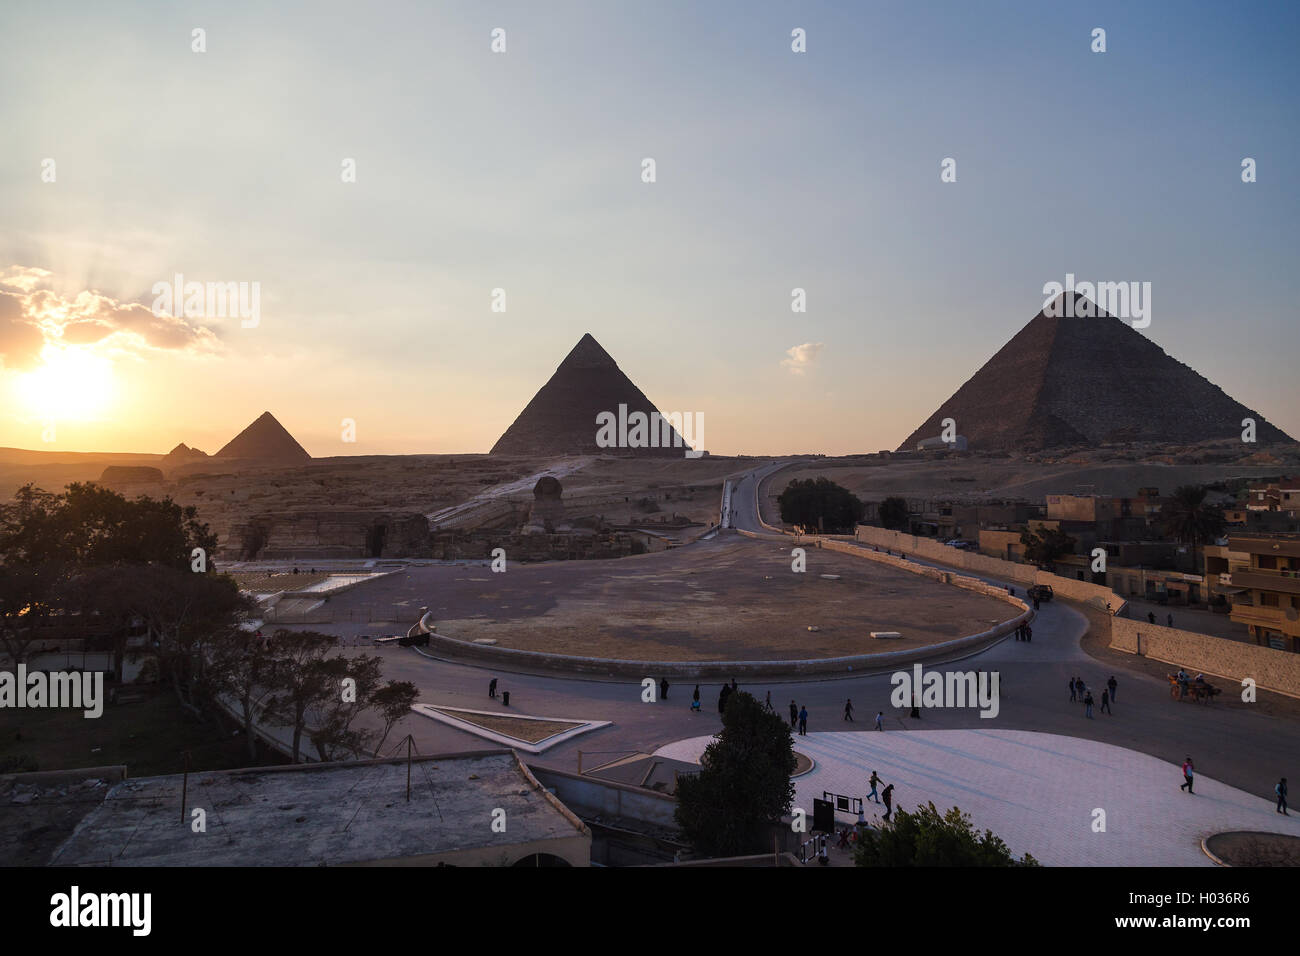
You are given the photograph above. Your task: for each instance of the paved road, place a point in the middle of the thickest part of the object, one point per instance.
(1231, 742)
(743, 489)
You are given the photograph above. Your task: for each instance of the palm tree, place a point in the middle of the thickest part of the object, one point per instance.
(1187, 517)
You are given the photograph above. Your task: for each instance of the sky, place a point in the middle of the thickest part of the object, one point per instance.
(522, 171)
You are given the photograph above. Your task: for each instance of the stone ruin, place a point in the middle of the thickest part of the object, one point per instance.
(327, 534)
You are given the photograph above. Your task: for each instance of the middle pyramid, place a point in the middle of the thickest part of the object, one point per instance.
(562, 417)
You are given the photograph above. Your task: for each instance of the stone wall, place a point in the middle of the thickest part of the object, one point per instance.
(1271, 669)
(1097, 595)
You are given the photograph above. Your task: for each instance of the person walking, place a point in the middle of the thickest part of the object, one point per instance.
(1151, 617)
(695, 698)
(848, 710)
(794, 715)
(768, 703)
(874, 782)
(1105, 703)
(1188, 771)
(663, 688)
(880, 720)
(1072, 694)
(1029, 632)
(722, 698)
(1169, 620)
(1280, 789)
(1111, 685)
(492, 688)
(803, 721)
(1087, 704)
(887, 795)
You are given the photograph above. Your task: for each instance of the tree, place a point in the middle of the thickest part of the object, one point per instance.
(90, 561)
(89, 526)
(28, 599)
(743, 786)
(242, 669)
(186, 615)
(393, 702)
(322, 695)
(1045, 545)
(1188, 518)
(894, 513)
(820, 503)
(924, 838)
(299, 680)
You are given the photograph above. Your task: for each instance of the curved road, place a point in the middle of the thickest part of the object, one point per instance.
(1230, 742)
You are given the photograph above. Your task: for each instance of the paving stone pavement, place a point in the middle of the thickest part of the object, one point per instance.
(1037, 791)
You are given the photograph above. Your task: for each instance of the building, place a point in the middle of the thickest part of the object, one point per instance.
(1267, 586)
(1107, 518)
(1282, 495)
(468, 809)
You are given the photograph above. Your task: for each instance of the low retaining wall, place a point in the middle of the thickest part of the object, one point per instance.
(1086, 592)
(510, 658)
(1271, 669)
(605, 798)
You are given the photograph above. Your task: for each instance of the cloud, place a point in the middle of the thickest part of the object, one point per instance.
(801, 357)
(32, 316)
(24, 278)
(20, 340)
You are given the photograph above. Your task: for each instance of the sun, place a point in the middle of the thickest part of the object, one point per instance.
(71, 384)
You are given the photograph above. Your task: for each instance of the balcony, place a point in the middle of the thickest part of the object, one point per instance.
(1264, 579)
(1272, 618)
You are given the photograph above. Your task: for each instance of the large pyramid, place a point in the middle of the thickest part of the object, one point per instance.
(561, 418)
(265, 440)
(1072, 380)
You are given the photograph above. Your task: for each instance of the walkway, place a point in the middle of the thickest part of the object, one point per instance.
(1039, 792)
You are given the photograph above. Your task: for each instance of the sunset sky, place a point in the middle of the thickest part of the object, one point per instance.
(522, 171)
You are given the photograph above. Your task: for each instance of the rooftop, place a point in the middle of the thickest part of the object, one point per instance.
(322, 814)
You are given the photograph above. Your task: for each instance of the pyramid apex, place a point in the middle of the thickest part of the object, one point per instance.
(588, 353)
(266, 439)
(562, 417)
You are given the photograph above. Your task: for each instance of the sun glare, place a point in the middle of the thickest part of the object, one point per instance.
(71, 384)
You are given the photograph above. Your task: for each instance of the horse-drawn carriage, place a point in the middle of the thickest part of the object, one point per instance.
(1199, 690)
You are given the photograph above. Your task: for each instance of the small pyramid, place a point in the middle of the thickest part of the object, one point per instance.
(561, 418)
(184, 452)
(265, 440)
(1074, 378)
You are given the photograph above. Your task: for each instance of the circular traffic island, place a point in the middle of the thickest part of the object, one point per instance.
(721, 602)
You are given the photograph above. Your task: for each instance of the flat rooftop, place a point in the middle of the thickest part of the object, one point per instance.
(320, 814)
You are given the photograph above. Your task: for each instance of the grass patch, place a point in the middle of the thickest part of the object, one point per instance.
(529, 731)
(150, 737)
